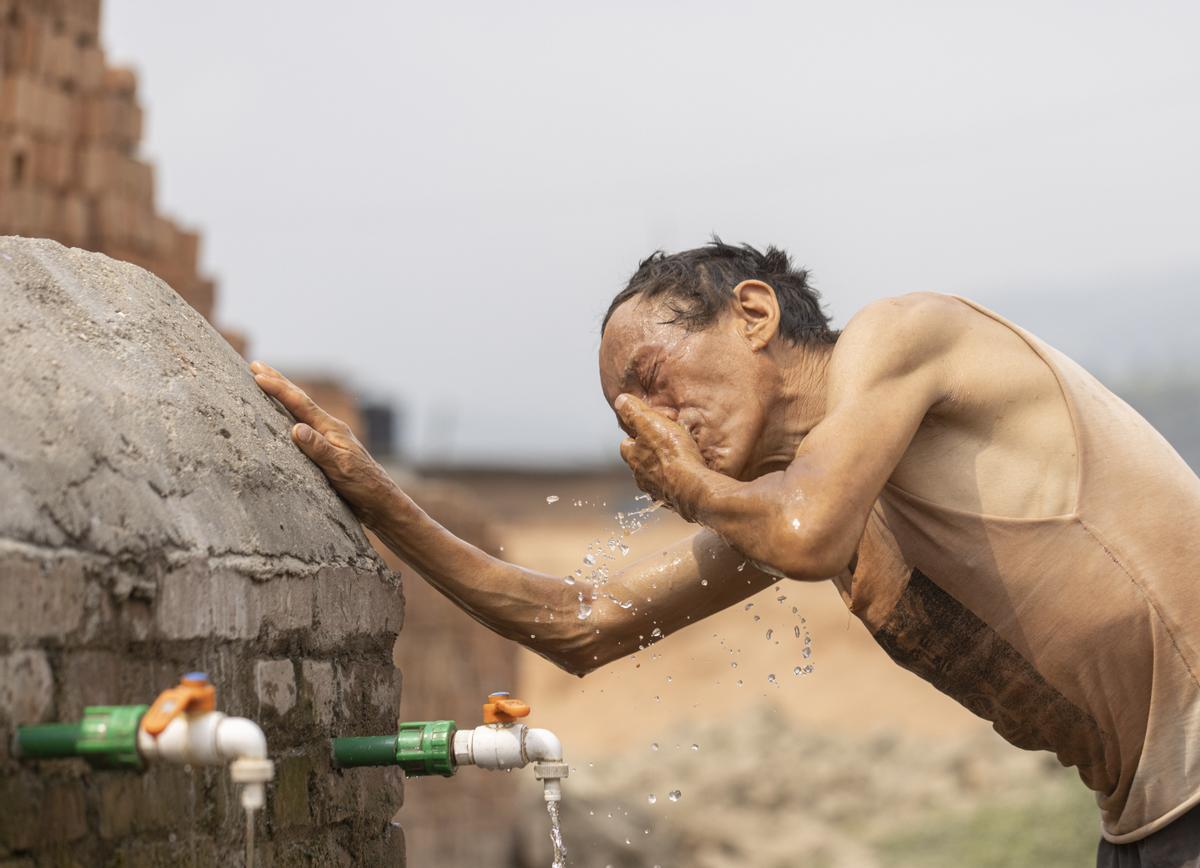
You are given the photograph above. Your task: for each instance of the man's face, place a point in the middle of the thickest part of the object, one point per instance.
(709, 381)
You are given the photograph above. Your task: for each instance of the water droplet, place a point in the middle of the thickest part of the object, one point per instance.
(741, 566)
(796, 671)
(733, 664)
(668, 679)
(626, 605)
(585, 611)
(704, 583)
(757, 618)
(807, 652)
(652, 798)
(656, 633)
(675, 795)
(749, 606)
(739, 683)
(653, 745)
(552, 499)
(695, 747)
(796, 630)
(589, 559)
(770, 633)
(780, 598)
(568, 580)
(771, 678)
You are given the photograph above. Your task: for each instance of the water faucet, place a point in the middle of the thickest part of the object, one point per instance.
(181, 726)
(438, 747)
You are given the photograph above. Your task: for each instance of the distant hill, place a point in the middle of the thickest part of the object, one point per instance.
(1119, 333)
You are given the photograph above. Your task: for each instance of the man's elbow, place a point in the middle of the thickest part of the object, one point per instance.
(808, 553)
(575, 651)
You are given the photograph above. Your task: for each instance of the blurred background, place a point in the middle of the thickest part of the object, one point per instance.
(422, 211)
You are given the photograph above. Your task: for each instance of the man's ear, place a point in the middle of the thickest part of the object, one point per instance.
(756, 312)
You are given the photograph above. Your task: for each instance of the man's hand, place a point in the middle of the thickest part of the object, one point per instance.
(665, 460)
(332, 446)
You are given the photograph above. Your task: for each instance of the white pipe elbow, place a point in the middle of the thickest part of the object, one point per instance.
(208, 739)
(240, 738)
(541, 745)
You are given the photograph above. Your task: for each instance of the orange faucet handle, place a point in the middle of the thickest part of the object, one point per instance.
(193, 693)
(501, 708)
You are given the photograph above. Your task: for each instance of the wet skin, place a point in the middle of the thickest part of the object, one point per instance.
(777, 450)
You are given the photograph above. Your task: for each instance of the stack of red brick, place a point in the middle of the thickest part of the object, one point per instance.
(70, 127)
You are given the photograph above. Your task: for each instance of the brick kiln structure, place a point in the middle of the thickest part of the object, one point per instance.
(70, 128)
(155, 518)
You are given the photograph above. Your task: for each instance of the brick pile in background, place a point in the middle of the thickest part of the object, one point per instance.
(70, 128)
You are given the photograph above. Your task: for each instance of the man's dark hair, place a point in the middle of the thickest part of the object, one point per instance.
(698, 285)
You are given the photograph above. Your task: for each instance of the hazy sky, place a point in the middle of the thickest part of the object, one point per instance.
(438, 200)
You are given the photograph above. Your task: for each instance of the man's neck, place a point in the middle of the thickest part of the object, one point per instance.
(797, 405)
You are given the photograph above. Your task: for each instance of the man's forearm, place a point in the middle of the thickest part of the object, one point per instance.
(769, 520)
(640, 602)
(502, 596)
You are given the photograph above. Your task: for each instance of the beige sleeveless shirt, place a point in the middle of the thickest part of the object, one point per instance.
(1079, 633)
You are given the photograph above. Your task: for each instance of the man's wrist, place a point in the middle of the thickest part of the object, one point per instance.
(384, 507)
(701, 493)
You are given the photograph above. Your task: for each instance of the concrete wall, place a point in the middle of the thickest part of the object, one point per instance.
(154, 519)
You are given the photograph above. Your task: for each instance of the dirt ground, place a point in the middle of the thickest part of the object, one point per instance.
(858, 763)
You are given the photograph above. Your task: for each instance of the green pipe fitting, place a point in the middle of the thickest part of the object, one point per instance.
(106, 738)
(420, 747)
(368, 750)
(48, 740)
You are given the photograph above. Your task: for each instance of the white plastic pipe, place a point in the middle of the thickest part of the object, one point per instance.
(542, 745)
(513, 746)
(215, 739)
(208, 739)
(492, 747)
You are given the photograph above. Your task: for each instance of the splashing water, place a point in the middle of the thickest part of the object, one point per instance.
(556, 837)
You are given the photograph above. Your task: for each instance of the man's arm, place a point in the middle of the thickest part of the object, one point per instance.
(684, 584)
(886, 372)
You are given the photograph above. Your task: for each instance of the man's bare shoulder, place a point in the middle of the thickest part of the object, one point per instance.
(899, 335)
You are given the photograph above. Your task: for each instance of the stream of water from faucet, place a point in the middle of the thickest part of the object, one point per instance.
(249, 838)
(556, 837)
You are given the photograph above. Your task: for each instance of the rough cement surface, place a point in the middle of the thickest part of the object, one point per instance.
(155, 518)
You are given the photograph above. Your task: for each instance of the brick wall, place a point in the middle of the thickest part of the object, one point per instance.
(154, 518)
(70, 129)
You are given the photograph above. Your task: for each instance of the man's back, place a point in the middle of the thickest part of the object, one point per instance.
(1033, 557)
